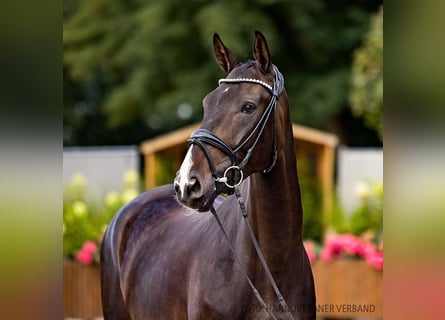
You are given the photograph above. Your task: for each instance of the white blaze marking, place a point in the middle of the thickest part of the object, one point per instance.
(185, 169)
(225, 90)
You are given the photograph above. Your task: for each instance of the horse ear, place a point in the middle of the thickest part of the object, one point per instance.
(261, 52)
(225, 58)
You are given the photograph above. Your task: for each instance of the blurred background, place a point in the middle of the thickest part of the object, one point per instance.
(31, 113)
(134, 76)
(136, 69)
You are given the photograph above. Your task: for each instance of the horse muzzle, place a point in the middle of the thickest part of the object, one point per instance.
(192, 193)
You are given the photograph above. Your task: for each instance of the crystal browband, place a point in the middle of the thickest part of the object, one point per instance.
(239, 80)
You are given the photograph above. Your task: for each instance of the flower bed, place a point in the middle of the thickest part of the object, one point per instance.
(339, 246)
(85, 219)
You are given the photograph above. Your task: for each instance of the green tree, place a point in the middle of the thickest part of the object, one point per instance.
(366, 96)
(133, 69)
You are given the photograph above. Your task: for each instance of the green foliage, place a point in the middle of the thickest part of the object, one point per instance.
(166, 169)
(311, 199)
(367, 217)
(337, 220)
(130, 65)
(366, 95)
(85, 219)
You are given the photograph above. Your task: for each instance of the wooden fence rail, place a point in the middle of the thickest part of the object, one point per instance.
(81, 290)
(345, 289)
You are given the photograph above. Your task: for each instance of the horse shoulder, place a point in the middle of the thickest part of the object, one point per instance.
(124, 221)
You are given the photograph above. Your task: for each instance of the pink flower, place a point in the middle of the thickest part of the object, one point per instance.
(326, 255)
(89, 246)
(373, 256)
(84, 257)
(86, 253)
(332, 248)
(368, 250)
(338, 245)
(351, 244)
(375, 260)
(309, 246)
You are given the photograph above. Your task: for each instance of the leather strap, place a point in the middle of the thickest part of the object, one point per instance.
(243, 271)
(201, 137)
(261, 255)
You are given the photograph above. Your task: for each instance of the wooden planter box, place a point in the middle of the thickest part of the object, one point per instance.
(348, 289)
(81, 290)
(344, 289)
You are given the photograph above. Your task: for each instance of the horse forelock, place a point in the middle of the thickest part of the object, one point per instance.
(244, 68)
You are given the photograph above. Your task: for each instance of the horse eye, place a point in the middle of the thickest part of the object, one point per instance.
(248, 108)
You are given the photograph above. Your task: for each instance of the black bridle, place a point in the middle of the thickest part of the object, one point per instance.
(203, 137)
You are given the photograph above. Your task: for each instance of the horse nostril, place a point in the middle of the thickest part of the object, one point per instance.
(177, 189)
(194, 187)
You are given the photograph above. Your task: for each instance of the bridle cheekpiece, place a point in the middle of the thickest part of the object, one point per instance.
(203, 137)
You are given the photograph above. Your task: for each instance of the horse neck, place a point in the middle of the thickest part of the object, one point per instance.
(274, 204)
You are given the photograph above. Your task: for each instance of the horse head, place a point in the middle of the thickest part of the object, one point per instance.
(238, 134)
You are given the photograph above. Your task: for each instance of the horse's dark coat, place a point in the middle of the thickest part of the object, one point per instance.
(160, 260)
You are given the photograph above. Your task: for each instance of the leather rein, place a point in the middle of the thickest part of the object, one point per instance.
(203, 137)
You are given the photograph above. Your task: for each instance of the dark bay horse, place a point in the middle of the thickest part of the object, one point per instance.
(164, 256)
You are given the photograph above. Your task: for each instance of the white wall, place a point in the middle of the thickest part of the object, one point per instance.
(356, 165)
(103, 167)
